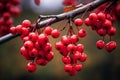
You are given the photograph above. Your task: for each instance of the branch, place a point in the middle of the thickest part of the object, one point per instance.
(60, 17)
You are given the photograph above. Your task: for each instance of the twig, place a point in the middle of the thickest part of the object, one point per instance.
(60, 17)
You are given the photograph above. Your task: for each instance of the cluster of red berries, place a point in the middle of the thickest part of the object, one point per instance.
(8, 8)
(72, 53)
(35, 47)
(102, 24)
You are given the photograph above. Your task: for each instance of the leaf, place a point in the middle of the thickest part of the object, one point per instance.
(37, 2)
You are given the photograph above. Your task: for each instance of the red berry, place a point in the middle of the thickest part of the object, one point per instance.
(48, 30)
(66, 60)
(29, 45)
(102, 32)
(112, 31)
(31, 67)
(101, 16)
(74, 38)
(107, 24)
(78, 22)
(93, 17)
(70, 47)
(49, 56)
(79, 47)
(42, 39)
(19, 29)
(26, 23)
(76, 56)
(13, 30)
(68, 67)
(82, 33)
(33, 36)
(110, 46)
(55, 33)
(83, 57)
(33, 52)
(78, 67)
(65, 40)
(47, 47)
(100, 44)
(87, 22)
(59, 46)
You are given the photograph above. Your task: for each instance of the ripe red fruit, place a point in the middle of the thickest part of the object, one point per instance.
(74, 38)
(59, 46)
(87, 22)
(82, 33)
(83, 57)
(33, 36)
(78, 67)
(110, 46)
(48, 30)
(25, 31)
(65, 40)
(107, 24)
(101, 32)
(29, 45)
(101, 16)
(19, 29)
(47, 47)
(49, 56)
(66, 60)
(31, 67)
(33, 52)
(72, 72)
(37, 2)
(112, 31)
(13, 30)
(70, 47)
(93, 17)
(26, 23)
(78, 22)
(68, 67)
(55, 33)
(42, 39)
(100, 44)
(79, 47)
(76, 56)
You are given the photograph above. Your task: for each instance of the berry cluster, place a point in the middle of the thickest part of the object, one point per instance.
(8, 8)
(35, 47)
(102, 24)
(72, 53)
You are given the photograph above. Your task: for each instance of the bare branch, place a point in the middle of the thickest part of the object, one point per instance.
(60, 17)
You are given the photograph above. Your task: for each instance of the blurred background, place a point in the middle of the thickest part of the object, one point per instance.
(100, 65)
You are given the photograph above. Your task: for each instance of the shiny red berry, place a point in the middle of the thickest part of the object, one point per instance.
(48, 30)
(110, 46)
(78, 22)
(55, 33)
(82, 33)
(26, 23)
(100, 44)
(31, 67)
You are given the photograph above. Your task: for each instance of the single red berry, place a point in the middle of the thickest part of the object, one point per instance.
(82, 33)
(76, 56)
(70, 47)
(65, 40)
(25, 31)
(49, 56)
(93, 17)
(83, 57)
(79, 47)
(26, 23)
(72, 72)
(74, 38)
(100, 44)
(59, 46)
(29, 45)
(87, 22)
(42, 39)
(112, 31)
(101, 16)
(48, 30)
(101, 32)
(78, 22)
(55, 33)
(64, 52)
(110, 46)
(66, 60)
(107, 24)
(33, 36)
(13, 30)
(31, 67)
(68, 67)
(26, 38)
(19, 29)
(78, 67)
(47, 47)
(33, 52)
